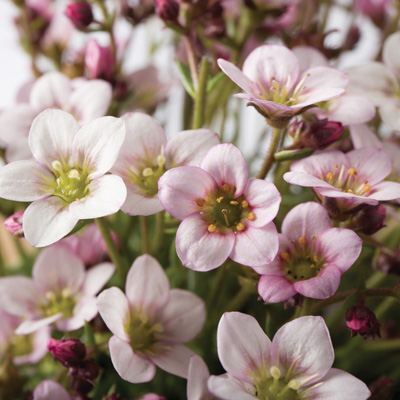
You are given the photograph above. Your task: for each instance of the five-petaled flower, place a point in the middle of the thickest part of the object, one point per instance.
(296, 365)
(66, 179)
(224, 213)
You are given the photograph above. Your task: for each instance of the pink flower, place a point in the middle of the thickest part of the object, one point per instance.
(86, 100)
(198, 375)
(146, 155)
(150, 323)
(354, 178)
(99, 61)
(14, 224)
(50, 390)
(311, 258)
(275, 85)
(296, 364)
(67, 178)
(224, 213)
(60, 291)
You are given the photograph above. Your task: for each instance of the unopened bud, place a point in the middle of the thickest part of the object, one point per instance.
(368, 220)
(69, 351)
(361, 320)
(14, 224)
(320, 133)
(80, 14)
(168, 10)
(388, 263)
(99, 61)
(382, 389)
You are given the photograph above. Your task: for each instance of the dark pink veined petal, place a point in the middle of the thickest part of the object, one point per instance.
(179, 188)
(189, 147)
(322, 286)
(274, 289)
(228, 388)
(256, 246)
(339, 385)
(340, 247)
(306, 220)
(226, 164)
(147, 286)
(183, 317)
(238, 76)
(305, 342)
(130, 366)
(243, 347)
(175, 360)
(264, 199)
(199, 249)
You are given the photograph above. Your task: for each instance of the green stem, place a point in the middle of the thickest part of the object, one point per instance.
(158, 239)
(144, 230)
(112, 249)
(384, 307)
(217, 286)
(199, 106)
(239, 300)
(269, 158)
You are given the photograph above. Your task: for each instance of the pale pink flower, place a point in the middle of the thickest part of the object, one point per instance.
(296, 364)
(86, 100)
(380, 82)
(223, 213)
(198, 375)
(60, 291)
(275, 85)
(312, 256)
(30, 348)
(352, 178)
(146, 155)
(150, 323)
(14, 224)
(50, 390)
(66, 179)
(99, 61)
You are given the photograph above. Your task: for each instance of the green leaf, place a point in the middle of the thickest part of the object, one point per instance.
(186, 78)
(214, 81)
(286, 155)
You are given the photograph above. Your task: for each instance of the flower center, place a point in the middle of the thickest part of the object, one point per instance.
(143, 332)
(71, 183)
(346, 180)
(61, 301)
(224, 212)
(304, 262)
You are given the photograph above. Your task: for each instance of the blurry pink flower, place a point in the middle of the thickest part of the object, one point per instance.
(80, 14)
(375, 9)
(146, 155)
(86, 100)
(25, 349)
(198, 375)
(150, 323)
(223, 213)
(99, 61)
(380, 82)
(50, 390)
(296, 364)
(14, 224)
(66, 179)
(275, 85)
(60, 291)
(312, 256)
(152, 396)
(352, 178)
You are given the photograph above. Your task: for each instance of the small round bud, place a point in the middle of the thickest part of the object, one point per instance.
(69, 351)
(361, 320)
(168, 10)
(80, 14)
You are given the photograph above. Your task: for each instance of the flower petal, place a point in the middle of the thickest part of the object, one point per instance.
(51, 136)
(114, 309)
(322, 286)
(49, 390)
(147, 285)
(130, 366)
(390, 52)
(256, 246)
(340, 247)
(386, 191)
(183, 317)
(306, 220)
(199, 249)
(304, 343)
(339, 385)
(243, 347)
(227, 388)
(198, 375)
(264, 200)
(106, 196)
(309, 57)
(363, 136)
(46, 221)
(137, 203)
(84, 310)
(179, 188)
(238, 76)
(33, 325)
(97, 144)
(274, 289)
(24, 180)
(175, 360)
(189, 147)
(97, 277)
(389, 112)
(226, 164)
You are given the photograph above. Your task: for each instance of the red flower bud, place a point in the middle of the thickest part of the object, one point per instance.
(361, 320)
(14, 224)
(320, 133)
(168, 10)
(69, 351)
(80, 13)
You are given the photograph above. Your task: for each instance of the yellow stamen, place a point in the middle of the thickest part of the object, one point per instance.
(240, 226)
(352, 171)
(251, 216)
(336, 167)
(225, 213)
(200, 202)
(302, 241)
(226, 187)
(147, 172)
(212, 228)
(350, 191)
(315, 258)
(220, 199)
(367, 188)
(285, 255)
(234, 202)
(329, 176)
(245, 204)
